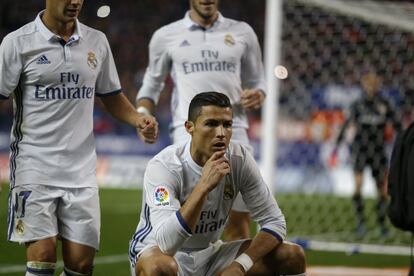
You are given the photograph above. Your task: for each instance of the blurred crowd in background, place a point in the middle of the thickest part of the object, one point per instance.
(325, 54)
(129, 28)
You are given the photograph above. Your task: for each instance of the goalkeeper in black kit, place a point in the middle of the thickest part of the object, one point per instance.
(371, 115)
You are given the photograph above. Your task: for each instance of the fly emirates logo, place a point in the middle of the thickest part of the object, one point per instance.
(209, 222)
(210, 62)
(68, 89)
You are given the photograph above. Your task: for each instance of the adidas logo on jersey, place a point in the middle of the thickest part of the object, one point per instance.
(184, 43)
(42, 60)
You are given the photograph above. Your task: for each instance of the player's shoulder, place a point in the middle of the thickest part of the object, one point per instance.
(20, 34)
(238, 151)
(91, 32)
(238, 25)
(170, 157)
(170, 29)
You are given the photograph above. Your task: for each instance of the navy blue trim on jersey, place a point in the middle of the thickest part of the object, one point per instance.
(3, 97)
(140, 235)
(62, 42)
(17, 133)
(183, 223)
(10, 216)
(273, 233)
(109, 93)
(40, 271)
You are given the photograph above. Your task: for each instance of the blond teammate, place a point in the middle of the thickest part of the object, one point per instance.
(205, 51)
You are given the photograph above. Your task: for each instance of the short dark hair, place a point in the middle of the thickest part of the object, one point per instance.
(205, 99)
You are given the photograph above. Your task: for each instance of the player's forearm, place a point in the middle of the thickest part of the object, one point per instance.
(148, 104)
(172, 234)
(120, 108)
(261, 245)
(191, 209)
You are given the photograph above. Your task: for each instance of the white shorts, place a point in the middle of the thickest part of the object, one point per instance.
(206, 262)
(179, 135)
(38, 212)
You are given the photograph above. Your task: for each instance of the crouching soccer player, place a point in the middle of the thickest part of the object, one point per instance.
(189, 190)
(53, 68)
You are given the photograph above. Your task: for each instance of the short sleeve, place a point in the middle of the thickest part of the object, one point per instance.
(107, 82)
(10, 66)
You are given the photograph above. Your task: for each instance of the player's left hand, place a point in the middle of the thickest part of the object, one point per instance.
(234, 269)
(252, 98)
(147, 128)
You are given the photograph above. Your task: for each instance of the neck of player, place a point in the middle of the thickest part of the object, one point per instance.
(60, 28)
(205, 22)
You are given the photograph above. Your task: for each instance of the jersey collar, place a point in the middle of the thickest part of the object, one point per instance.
(190, 24)
(193, 165)
(46, 33)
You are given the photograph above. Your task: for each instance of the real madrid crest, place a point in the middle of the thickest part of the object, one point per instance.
(228, 191)
(20, 227)
(229, 40)
(92, 61)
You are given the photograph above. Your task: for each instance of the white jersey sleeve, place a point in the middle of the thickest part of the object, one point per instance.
(259, 200)
(252, 73)
(107, 81)
(158, 68)
(10, 59)
(161, 194)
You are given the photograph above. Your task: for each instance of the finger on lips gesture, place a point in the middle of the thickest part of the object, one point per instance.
(215, 169)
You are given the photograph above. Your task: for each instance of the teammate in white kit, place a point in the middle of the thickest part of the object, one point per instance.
(52, 68)
(189, 190)
(205, 51)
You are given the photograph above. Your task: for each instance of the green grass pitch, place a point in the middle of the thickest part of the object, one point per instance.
(120, 212)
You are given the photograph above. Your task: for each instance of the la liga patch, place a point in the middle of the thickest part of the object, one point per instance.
(161, 196)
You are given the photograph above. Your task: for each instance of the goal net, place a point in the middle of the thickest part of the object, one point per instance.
(326, 47)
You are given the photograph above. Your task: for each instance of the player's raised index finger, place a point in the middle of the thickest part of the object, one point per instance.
(217, 155)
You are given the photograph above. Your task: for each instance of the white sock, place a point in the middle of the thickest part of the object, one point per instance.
(34, 268)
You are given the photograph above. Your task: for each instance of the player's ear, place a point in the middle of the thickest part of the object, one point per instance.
(189, 126)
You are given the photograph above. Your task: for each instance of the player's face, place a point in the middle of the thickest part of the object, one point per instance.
(371, 84)
(64, 10)
(211, 131)
(206, 9)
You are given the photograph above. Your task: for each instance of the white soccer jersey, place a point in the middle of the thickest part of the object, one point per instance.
(170, 178)
(225, 58)
(53, 85)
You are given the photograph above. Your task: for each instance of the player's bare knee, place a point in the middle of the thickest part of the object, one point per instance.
(292, 256)
(165, 266)
(41, 253)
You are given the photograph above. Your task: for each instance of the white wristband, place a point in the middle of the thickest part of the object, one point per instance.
(245, 261)
(143, 110)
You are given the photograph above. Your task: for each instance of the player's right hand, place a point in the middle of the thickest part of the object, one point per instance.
(216, 167)
(147, 128)
(252, 98)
